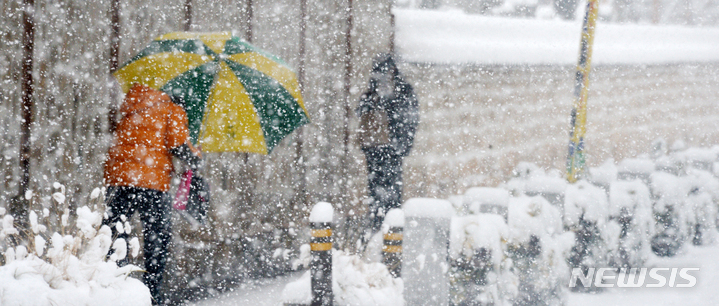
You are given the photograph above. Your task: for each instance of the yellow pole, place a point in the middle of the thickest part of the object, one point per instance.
(575, 159)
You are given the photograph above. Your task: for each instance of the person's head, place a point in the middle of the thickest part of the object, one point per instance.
(384, 63)
(384, 72)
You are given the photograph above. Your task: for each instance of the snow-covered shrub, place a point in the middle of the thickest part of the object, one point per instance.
(699, 158)
(486, 200)
(538, 247)
(672, 163)
(354, 282)
(531, 180)
(604, 175)
(585, 214)
(631, 224)
(635, 169)
(481, 273)
(701, 206)
(68, 267)
(669, 193)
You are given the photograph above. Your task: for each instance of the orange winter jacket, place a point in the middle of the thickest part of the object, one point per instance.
(151, 125)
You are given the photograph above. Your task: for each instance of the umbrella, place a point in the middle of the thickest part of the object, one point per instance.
(238, 98)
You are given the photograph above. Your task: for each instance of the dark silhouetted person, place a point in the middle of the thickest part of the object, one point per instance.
(389, 115)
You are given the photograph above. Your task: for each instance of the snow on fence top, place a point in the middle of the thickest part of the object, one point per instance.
(453, 37)
(428, 208)
(322, 212)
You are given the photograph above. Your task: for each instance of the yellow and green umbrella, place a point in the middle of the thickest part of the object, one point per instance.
(237, 98)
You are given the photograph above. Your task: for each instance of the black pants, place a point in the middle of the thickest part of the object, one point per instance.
(154, 209)
(384, 181)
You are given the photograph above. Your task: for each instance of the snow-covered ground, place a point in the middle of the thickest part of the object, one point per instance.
(267, 292)
(255, 293)
(704, 293)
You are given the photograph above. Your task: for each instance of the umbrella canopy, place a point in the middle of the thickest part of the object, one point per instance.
(238, 98)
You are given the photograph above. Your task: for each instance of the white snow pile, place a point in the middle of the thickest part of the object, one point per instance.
(534, 216)
(670, 190)
(632, 195)
(586, 201)
(531, 180)
(322, 212)
(428, 208)
(636, 166)
(605, 174)
(486, 200)
(72, 269)
(453, 37)
(394, 218)
(354, 282)
(470, 233)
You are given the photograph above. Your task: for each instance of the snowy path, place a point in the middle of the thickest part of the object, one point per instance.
(706, 291)
(257, 293)
(267, 292)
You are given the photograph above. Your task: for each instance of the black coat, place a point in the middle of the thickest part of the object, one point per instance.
(402, 110)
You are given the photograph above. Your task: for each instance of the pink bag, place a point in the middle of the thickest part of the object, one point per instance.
(183, 191)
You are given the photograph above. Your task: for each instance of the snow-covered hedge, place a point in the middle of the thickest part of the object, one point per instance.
(72, 269)
(516, 244)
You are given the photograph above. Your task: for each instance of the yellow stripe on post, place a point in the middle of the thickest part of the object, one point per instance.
(231, 122)
(393, 236)
(321, 246)
(157, 69)
(321, 233)
(392, 248)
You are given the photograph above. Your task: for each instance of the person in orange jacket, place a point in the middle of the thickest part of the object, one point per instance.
(138, 170)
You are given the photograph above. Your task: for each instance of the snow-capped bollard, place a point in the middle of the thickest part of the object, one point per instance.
(321, 247)
(392, 248)
(425, 270)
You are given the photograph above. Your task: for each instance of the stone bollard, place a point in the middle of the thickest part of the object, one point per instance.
(321, 247)
(392, 248)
